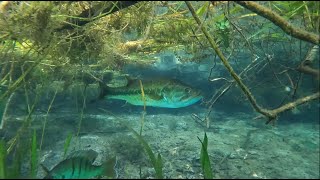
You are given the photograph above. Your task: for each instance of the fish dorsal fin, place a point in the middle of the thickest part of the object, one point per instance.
(90, 155)
(45, 169)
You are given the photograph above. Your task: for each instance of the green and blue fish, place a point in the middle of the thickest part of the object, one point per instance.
(157, 93)
(79, 165)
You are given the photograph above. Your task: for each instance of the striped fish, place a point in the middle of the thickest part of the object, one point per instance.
(166, 93)
(79, 166)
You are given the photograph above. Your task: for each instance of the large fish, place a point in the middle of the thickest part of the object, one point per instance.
(158, 93)
(79, 166)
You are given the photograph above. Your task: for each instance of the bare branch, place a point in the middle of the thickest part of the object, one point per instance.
(305, 66)
(270, 114)
(280, 22)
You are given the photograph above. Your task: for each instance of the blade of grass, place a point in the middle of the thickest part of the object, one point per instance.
(46, 118)
(67, 144)
(34, 159)
(204, 158)
(3, 154)
(144, 106)
(17, 163)
(159, 166)
(157, 163)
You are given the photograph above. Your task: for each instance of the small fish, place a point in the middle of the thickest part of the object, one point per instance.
(79, 166)
(158, 93)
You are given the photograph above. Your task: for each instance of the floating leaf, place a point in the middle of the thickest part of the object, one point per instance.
(203, 9)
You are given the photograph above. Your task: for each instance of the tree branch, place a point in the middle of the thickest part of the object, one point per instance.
(305, 65)
(280, 22)
(270, 114)
(295, 103)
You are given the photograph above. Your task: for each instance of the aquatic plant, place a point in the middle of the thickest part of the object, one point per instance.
(204, 158)
(46, 118)
(271, 115)
(34, 155)
(84, 96)
(155, 161)
(14, 171)
(67, 144)
(11, 162)
(144, 107)
(3, 104)
(41, 40)
(3, 154)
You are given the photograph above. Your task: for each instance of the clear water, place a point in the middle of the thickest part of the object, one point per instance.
(240, 144)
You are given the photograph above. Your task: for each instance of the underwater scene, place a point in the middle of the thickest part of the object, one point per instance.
(159, 90)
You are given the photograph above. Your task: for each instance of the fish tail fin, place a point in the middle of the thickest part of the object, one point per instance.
(46, 170)
(110, 170)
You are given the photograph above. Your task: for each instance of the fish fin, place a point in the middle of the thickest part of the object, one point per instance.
(45, 169)
(110, 170)
(90, 154)
(125, 104)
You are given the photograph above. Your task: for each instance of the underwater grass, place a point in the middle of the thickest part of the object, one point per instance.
(34, 155)
(82, 109)
(2, 109)
(3, 154)
(204, 158)
(67, 144)
(144, 107)
(156, 162)
(14, 172)
(46, 118)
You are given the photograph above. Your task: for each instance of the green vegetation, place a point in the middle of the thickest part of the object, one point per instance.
(3, 154)
(67, 144)
(11, 163)
(2, 108)
(34, 156)
(36, 49)
(32, 37)
(155, 161)
(204, 158)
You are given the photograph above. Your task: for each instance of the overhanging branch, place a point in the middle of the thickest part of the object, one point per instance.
(280, 22)
(270, 114)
